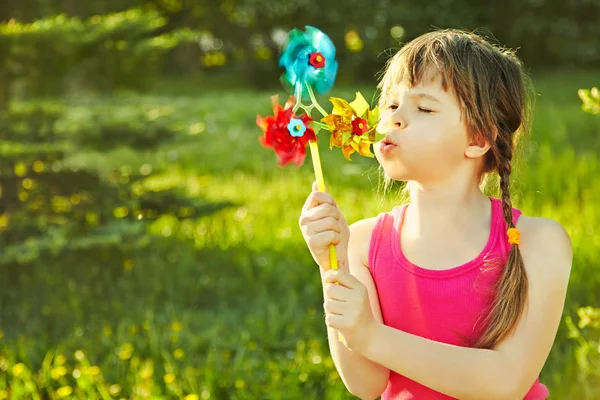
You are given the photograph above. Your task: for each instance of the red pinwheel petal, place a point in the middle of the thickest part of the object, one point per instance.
(291, 101)
(288, 148)
(286, 156)
(263, 123)
(264, 142)
(308, 136)
(300, 155)
(306, 119)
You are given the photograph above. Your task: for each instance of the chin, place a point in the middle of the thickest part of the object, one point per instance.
(396, 172)
(393, 168)
(399, 177)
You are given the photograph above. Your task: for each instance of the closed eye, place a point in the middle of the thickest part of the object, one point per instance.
(394, 107)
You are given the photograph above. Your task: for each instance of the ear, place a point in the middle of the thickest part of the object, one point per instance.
(477, 147)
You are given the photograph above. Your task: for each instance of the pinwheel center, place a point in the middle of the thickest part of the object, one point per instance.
(296, 127)
(359, 126)
(317, 60)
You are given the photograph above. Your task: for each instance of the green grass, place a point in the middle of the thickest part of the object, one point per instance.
(229, 306)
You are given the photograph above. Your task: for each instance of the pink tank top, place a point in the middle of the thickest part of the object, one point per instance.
(440, 305)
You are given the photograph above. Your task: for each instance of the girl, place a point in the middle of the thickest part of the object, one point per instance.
(454, 295)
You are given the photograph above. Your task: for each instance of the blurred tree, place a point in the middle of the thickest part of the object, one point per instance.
(59, 53)
(75, 199)
(241, 35)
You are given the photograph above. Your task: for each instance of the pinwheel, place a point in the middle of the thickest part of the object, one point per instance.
(310, 65)
(353, 126)
(286, 133)
(309, 61)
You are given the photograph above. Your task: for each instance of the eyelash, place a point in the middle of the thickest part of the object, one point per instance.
(423, 110)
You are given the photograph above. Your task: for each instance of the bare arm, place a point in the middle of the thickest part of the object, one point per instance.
(362, 377)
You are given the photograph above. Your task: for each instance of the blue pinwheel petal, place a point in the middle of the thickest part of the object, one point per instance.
(321, 42)
(300, 65)
(295, 59)
(291, 50)
(329, 73)
(295, 42)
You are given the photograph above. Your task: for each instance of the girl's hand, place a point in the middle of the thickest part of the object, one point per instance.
(323, 224)
(347, 308)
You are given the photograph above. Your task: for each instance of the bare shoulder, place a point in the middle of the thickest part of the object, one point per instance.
(546, 247)
(360, 239)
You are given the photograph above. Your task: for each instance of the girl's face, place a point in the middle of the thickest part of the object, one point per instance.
(425, 124)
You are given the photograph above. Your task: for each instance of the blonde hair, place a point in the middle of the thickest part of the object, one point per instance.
(496, 101)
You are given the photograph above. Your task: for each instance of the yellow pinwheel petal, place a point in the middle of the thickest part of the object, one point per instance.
(341, 107)
(339, 122)
(373, 116)
(346, 138)
(365, 150)
(359, 105)
(335, 139)
(347, 150)
(329, 120)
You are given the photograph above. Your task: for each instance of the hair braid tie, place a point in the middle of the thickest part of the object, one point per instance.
(514, 236)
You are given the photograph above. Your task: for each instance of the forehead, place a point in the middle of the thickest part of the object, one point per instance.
(429, 87)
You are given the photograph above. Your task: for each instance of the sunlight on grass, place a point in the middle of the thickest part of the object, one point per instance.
(229, 305)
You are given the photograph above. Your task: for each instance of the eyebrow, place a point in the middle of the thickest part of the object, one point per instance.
(425, 96)
(421, 96)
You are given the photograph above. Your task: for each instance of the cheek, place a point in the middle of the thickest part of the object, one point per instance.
(425, 149)
(431, 151)
(440, 142)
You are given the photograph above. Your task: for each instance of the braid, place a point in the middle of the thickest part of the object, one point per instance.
(511, 288)
(504, 170)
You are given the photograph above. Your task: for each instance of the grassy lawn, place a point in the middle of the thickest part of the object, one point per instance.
(229, 306)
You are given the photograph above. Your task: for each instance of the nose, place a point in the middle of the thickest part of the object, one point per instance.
(397, 119)
(391, 120)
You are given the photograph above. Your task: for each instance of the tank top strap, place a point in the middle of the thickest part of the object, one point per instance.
(516, 213)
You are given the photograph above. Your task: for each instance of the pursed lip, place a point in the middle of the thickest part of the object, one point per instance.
(389, 140)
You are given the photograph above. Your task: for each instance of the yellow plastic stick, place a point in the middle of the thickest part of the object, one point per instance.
(314, 151)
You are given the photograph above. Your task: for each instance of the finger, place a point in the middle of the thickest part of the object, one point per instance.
(335, 321)
(323, 239)
(316, 198)
(334, 307)
(322, 225)
(336, 292)
(342, 277)
(315, 187)
(321, 211)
